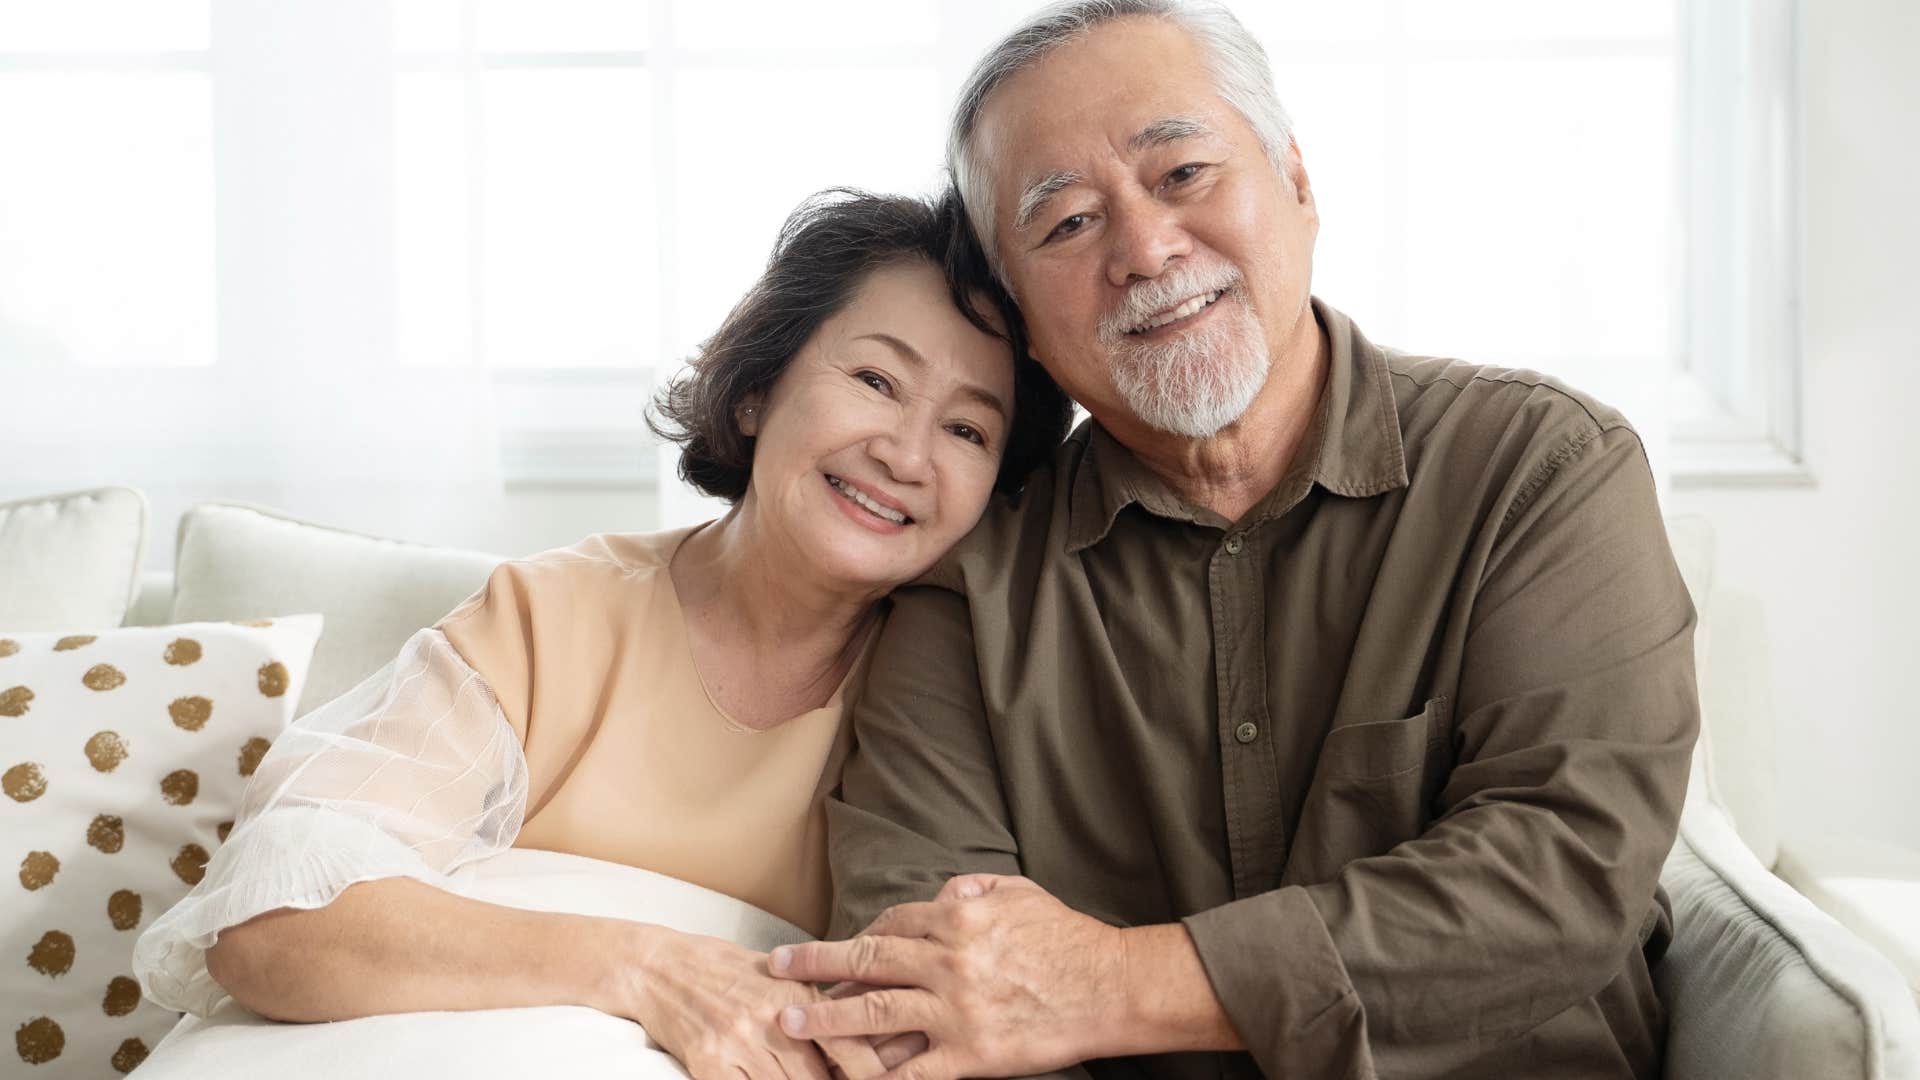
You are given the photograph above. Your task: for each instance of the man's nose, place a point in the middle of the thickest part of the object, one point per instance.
(1143, 237)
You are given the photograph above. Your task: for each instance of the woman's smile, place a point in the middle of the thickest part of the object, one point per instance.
(865, 508)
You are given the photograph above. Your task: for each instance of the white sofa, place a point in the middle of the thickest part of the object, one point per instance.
(1812, 979)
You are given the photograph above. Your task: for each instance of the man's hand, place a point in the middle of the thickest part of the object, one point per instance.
(1003, 979)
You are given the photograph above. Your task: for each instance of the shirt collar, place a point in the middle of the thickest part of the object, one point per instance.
(1355, 448)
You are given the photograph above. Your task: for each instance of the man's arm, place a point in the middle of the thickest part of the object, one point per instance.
(920, 800)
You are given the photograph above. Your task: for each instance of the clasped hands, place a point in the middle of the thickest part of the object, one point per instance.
(993, 977)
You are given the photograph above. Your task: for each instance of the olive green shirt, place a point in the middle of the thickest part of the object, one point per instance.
(1404, 748)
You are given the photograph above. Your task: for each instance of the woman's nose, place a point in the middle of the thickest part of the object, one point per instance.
(906, 451)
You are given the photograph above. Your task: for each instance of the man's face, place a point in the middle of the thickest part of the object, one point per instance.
(1160, 258)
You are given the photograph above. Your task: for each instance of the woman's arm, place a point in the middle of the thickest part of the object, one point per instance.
(398, 945)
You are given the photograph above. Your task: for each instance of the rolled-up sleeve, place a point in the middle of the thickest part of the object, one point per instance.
(1573, 726)
(920, 799)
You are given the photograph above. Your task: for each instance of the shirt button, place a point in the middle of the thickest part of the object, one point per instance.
(1247, 732)
(1234, 544)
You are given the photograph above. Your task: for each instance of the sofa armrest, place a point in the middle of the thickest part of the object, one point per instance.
(1761, 983)
(1872, 889)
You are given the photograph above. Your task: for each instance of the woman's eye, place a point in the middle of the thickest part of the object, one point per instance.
(877, 381)
(969, 433)
(1068, 226)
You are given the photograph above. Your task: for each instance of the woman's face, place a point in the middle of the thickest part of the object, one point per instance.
(877, 447)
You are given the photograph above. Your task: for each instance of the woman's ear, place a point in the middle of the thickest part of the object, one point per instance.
(748, 415)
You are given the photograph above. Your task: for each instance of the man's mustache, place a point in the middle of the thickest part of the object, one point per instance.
(1149, 298)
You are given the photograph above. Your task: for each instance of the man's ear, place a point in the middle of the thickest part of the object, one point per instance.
(748, 414)
(1295, 170)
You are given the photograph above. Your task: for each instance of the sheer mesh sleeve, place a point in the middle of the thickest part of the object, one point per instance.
(414, 773)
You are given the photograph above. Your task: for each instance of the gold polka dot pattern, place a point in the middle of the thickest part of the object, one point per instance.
(23, 782)
(106, 750)
(37, 870)
(15, 700)
(107, 833)
(182, 652)
(190, 865)
(39, 1041)
(123, 996)
(190, 713)
(123, 909)
(52, 955)
(273, 678)
(250, 754)
(152, 795)
(129, 1056)
(179, 787)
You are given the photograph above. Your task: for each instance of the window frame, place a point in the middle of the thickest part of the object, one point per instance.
(1738, 409)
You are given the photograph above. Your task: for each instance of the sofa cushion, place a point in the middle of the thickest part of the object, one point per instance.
(243, 562)
(70, 561)
(1759, 983)
(124, 755)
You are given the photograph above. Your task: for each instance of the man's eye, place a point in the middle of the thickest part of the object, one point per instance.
(1068, 226)
(1184, 173)
(875, 380)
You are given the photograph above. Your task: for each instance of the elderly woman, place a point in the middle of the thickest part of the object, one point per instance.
(675, 702)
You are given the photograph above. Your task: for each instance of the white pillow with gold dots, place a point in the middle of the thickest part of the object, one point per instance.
(123, 755)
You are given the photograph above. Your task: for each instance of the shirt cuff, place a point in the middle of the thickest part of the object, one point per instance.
(1284, 988)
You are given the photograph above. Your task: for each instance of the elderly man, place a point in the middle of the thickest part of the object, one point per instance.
(1323, 709)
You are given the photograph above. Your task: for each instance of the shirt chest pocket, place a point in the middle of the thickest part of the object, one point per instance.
(1372, 789)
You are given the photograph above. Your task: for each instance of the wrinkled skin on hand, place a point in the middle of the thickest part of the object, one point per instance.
(1001, 977)
(714, 1006)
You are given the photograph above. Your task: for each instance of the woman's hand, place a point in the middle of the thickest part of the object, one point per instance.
(713, 1005)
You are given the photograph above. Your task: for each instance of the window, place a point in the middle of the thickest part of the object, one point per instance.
(1605, 192)
(421, 238)
(95, 270)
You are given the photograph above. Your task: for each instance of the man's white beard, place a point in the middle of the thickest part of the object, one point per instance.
(1199, 382)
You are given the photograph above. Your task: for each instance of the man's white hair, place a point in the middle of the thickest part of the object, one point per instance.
(1238, 64)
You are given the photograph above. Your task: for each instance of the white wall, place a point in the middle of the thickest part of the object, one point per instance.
(1837, 564)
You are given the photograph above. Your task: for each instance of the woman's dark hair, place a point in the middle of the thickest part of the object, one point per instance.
(826, 251)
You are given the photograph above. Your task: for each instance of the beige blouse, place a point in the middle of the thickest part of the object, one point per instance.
(557, 709)
(629, 759)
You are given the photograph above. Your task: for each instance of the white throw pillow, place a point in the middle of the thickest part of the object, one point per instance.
(502, 1043)
(70, 560)
(123, 755)
(236, 561)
